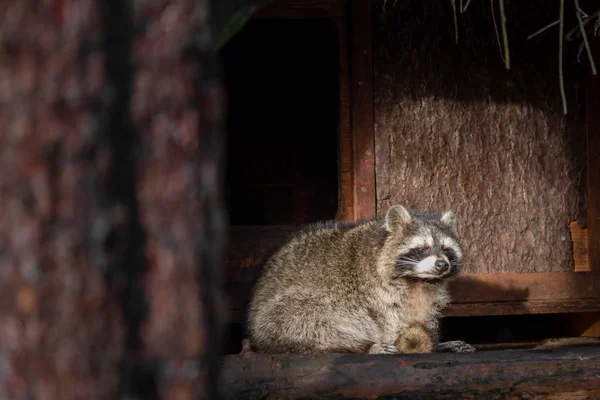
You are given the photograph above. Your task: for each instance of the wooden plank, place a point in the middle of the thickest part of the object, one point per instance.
(247, 248)
(345, 176)
(362, 109)
(302, 9)
(593, 330)
(593, 161)
(521, 307)
(473, 288)
(580, 240)
(539, 345)
(558, 373)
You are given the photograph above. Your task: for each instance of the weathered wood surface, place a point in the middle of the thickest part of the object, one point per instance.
(345, 137)
(593, 160)
(563, 373)
(454, 129)
(177, 106)
(475, 288)
(247, 249)
(363, 157)
(61, 330)
(581, 247)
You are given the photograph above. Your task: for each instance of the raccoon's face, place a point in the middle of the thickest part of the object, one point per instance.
(424, 245)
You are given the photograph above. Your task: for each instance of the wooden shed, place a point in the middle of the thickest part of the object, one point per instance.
(127, 143)
(373, 103)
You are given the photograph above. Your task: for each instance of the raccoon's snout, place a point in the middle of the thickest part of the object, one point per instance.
(441, 266)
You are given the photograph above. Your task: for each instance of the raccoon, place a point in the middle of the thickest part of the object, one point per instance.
(376, 287)
(416, 338)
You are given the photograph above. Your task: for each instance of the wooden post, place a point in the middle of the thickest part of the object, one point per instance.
(362, 109)
(593, 161)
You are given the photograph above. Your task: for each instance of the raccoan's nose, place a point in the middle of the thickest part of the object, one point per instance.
(441, 266)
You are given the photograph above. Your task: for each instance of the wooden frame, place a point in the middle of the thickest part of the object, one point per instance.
(593, 163)
(493, 294)
(362, 110)
(356, 175)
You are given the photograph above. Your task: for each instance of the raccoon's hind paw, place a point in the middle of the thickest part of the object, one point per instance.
(383, 348)
(454, 346)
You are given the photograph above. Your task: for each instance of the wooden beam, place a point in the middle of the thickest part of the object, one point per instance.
(521, 307)
(345, 140)
(561, 373)
(514, 286)
(593, 161)
(581, 250)
(362, 109)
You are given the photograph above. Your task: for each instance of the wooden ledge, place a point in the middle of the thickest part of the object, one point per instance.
(562, 373)
(474, 295)
(524, 293)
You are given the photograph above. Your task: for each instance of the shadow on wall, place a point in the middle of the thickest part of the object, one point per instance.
(414, 43)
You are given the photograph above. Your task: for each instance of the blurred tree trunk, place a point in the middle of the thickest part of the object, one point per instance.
(111, 222)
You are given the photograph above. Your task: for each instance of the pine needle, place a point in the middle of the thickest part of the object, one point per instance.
(543, 29)
(463, 9)
(496, 30)
(504, 36)
(560, 56)
(455, 20)
(579, 13)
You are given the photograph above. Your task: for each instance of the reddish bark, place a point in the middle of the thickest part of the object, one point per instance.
(61, 335)
(176, 106)
(93, 153)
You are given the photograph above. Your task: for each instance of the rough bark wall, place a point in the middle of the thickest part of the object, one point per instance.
(454, 129)
(111, 218)
(61, 329)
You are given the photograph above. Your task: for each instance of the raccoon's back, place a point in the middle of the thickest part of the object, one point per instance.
(324, 259)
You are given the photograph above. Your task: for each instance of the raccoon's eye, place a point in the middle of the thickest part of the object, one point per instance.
(451, 254)
(418, 253)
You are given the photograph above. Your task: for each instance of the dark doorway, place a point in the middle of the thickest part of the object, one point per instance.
(283, 117)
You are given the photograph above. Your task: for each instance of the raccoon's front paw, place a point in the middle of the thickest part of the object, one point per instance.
(454, 346)
(383, 348)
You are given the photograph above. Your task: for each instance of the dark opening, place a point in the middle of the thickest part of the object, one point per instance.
(283, 101)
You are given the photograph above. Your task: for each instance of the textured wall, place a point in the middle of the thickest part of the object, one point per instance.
(454, 129)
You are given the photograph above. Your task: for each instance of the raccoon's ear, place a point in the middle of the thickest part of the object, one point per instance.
(396, 217)
(449, 218)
